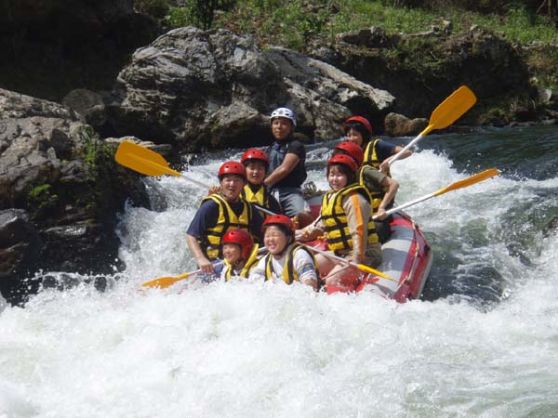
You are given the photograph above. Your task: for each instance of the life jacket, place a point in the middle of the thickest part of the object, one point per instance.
(259, 197)
(277, 152)
(371, 155)
(289, 274)
(376, 194)
(335, 222)
(226, 220)
(252, 260)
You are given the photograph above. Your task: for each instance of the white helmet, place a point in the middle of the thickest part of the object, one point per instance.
(284, 112)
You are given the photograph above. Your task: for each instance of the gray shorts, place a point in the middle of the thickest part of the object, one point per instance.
(291, 200)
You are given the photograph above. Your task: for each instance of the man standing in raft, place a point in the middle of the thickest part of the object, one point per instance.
(220, 212)
(376, 152)
(286, 164)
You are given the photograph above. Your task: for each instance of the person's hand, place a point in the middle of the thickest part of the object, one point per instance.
(205, 265)
(384, 166)
(381, 214)
(301, 235)
(213, 190)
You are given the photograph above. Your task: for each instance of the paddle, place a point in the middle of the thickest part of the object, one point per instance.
(150, 163)
(361, 267)
(167, 281)
(475, 178)
(447, 112)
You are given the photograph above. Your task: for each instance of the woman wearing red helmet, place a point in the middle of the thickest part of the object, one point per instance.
(286, 260)
(256, 162)
(239, 254)
(382, 188)
(346, 220)
(220, 212)
(376, 152)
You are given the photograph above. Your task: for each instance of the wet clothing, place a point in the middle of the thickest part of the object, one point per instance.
(216, 216)
(295, 264)
(288, 190)
(229, 271)
(261, 196)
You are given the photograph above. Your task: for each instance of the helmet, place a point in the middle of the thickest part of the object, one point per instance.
(239, 237)
(254, 154)
(352, 150)
(284, 112)
(232, 167)
(345, 160)
(283, 220)
(363, 121)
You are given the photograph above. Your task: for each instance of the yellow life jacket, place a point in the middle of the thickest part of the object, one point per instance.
(252, 260)
(289, 274)
(226, 220)
(259, 197)
(371, 156)
(334, 218)
(376, 194)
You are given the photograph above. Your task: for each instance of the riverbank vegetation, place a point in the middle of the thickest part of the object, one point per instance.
(296, 23)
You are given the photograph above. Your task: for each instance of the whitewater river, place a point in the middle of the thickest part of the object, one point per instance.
(483, 342)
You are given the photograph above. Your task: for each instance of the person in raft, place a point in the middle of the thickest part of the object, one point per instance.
(287, 172)
(376, 152)
(286, 260)
(240, 254)
(220, 212)
(382, 188)
(256, 162)
(346, 221)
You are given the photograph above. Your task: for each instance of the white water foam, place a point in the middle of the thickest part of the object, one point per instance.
(259, 349)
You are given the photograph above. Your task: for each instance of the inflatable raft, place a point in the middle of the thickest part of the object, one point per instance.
(407, 258)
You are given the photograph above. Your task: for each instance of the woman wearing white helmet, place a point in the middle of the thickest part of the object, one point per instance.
(286, 162)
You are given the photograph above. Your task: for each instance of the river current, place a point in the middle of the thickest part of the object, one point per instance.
(483, 341)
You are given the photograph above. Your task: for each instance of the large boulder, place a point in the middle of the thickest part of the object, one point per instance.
(199, 88)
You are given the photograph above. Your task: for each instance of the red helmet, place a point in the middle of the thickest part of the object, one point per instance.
(345, 160)
(352, 150)
(254, 154)
(363, 121)
(232, 167)
(279, 220)
(239, 237)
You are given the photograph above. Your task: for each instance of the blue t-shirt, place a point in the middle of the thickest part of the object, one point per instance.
(208, 213)
(384, 149)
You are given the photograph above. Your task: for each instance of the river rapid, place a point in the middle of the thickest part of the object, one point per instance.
(482, 342)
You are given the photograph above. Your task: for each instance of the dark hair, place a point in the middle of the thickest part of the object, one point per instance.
(359, 127)
(351, 176)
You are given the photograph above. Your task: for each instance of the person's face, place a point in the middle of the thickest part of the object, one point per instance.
(354, 136)
(275, 240)
(281, 128)
(255, 172)
(232, 253)
(336, 178)
(231, 186)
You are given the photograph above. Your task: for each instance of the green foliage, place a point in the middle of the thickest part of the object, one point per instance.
(156, 8)
(200, 13)
(42, 197)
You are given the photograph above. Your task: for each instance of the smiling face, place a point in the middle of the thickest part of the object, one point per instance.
(281, 128)
(231, 186)
(275, 240)
(232, 253)
(336, 178)
(255, 172)
(354, 136)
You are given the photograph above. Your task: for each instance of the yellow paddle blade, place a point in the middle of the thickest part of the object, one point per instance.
(451, 109)
(143, 160)
(375, 272)
(166, 281)
(475, 178)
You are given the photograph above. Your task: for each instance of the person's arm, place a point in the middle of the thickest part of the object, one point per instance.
(203, 263)
(255, 225)
(287, 166)
(391, 185)
(385, 164)
(257, 272)
(358, 212)
(310, 232)
(306, 268)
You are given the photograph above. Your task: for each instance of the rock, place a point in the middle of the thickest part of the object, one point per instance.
(373, 37)
(88, 104)
(399, 125)
(199, 88)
